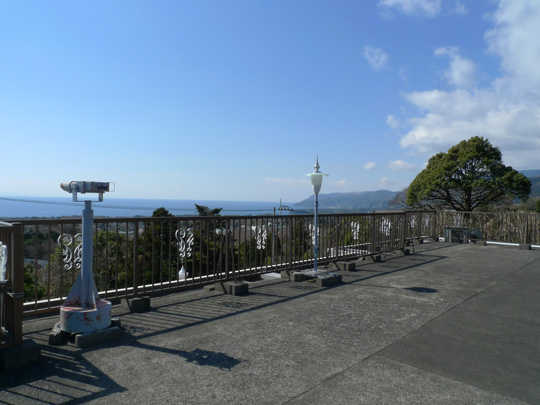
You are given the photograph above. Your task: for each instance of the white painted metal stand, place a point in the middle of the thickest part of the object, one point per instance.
(316, 181)
(83, 311)
(316, 230)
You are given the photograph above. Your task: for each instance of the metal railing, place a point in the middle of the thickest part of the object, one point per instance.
(11, 284)
(519, 227)
(135, 256)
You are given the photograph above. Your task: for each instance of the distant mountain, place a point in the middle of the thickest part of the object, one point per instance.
(535, 186)
(364, 200)
(534, 177)
(531, 173)
(384, 199)
(399, 199)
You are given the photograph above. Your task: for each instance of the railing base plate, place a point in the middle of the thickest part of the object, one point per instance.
(140, 304)
(328, 280)
(346, 266)
(236, 288)
(98, 337)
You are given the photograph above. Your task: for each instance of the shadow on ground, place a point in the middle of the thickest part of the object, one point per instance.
(424, 290)
(66, 376)
(62, 376)
(197, 356)
(179, 315)
(172, 314)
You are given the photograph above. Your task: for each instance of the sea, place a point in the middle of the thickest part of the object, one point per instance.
(46, 207)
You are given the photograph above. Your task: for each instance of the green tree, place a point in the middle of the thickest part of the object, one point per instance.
(214, 242)
(470, 175)
(32, 288)
(538, 205)
(162, 212)
(157, 248)
(207, 212)
(113, 261)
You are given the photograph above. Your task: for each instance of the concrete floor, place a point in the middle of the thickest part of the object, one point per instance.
(451, 324)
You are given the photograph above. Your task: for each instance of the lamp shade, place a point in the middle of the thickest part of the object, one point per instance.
(316, 177)
(316, 181)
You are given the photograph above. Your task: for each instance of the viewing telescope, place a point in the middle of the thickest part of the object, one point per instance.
(83, 187)
(83, 310)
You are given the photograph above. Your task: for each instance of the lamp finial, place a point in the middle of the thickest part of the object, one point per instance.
(317, 167)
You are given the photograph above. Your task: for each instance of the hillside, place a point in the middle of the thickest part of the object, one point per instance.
(364, 200)
(383, 199)
(535, 186)
(534, 177)
(531, 173)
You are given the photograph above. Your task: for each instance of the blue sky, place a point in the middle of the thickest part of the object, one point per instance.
(232, 100)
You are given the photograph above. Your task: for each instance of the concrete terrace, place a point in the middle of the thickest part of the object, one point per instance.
(451, 324)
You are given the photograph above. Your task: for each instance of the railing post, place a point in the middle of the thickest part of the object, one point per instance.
(420, 225)
(434, 232)
(527, 236)
(403, 230)
(16, 296)
(274, 238)
(407, 226)
(373, 230)
(136, 256)
(227, 249)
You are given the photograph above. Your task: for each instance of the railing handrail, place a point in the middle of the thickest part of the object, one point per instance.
(137, 252)
(491, 212)
(77, 220)
(13, 289)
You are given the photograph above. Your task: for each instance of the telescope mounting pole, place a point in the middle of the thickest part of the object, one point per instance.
(88, 298)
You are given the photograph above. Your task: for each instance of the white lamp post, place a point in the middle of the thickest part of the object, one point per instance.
(316, 181)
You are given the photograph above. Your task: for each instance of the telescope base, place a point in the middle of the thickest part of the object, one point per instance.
(84, 320)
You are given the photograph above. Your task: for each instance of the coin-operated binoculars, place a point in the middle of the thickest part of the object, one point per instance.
(83, 311)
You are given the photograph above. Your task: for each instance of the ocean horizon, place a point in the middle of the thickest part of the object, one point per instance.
(18, 207)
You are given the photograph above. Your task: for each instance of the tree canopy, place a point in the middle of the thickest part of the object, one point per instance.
(162, 212)
(469, 176)
(207, 212)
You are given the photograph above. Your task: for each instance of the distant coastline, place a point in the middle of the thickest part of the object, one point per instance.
(56, 207)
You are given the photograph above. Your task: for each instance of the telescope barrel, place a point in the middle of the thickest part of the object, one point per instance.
(99, 187)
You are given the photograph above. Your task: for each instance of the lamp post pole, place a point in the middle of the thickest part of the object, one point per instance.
(316, 181)
(316, 226)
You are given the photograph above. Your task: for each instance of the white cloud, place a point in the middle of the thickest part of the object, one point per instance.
(515, 39)
(341, 183)
(461, 72)
(392, 121)
(460, 8)
(377, 58)
(507, 112)
(429, 8)
(370, 165)
(400, 165)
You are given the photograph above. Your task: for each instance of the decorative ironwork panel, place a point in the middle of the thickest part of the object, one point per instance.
(311, 229)
(355, 230)
(185, 240)
(386, 226)
(3, 261)
(261, 234)
(71, 250)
